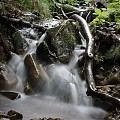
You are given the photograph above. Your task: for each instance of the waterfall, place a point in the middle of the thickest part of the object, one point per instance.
(74, 93)
(65, 96)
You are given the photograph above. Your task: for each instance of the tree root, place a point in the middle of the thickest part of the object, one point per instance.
(91, 87)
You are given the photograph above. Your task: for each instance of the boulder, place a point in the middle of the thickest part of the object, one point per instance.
(63, 39)
(44, 54)
(28, 89)
(13, 115)
(19, 42)
(8, 78)
(46, 118)
(5, 48)
(2, 54)
(60, 42)
(10, 95)
(38, 78)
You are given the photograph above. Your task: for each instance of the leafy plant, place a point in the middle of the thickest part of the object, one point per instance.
(114, 10)
(67, 1)
(112, 14)
(40, 6)
(101, 16)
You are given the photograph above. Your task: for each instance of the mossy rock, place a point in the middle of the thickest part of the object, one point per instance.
(20, 43)
(38, 78)
(113, 53)
(62, 39)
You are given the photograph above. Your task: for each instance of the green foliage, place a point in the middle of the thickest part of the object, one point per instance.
(87, 1)
(113, 53)
(112, 14)
(114, 10)
(1, 5)
(74, 1)
(40, 6)
(101, 16)
(67, 1)
(27, 4)
(99, 58)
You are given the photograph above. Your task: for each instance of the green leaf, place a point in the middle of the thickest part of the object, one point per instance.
(97, 11)
(105, 15)
(96, 20)
(102, 20)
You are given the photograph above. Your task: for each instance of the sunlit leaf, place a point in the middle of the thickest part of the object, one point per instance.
(97, 11)
(105, 14)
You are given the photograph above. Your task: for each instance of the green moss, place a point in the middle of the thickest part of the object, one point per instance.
(65, 41)
(1, 5)
(113, 53)
(69, 8)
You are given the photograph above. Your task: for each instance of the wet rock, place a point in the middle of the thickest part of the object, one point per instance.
(3, 115)
(38, 76)
(10, 95)
(28, 16)
(64, 58)
(28, 89)
(20, 43)
(99, 76)
(36, 119)
(54, 119)
(46, 118)
(114, 115)
(2, 54)
(44, 54)
(13, 115)
(8, 78)
(50, 23)
(114, 78)
(62, 38)
(115, 91)
(5, 48)
(30, 33)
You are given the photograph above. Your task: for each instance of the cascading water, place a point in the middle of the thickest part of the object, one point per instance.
(66, 86)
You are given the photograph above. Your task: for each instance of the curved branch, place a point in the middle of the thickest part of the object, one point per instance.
(70, 8)
(92, 90)
(86, 33)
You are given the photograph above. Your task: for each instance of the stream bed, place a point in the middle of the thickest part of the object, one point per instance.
(64, 95)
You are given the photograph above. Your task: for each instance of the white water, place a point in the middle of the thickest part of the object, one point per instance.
(74, 93)
(65, 82)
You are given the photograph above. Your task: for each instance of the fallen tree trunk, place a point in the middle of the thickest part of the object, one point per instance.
(22, 23)
(70, 9)
(91, 87)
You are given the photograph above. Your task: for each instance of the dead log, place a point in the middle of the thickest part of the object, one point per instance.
(21, 22)
(70, 9)
(91, 87)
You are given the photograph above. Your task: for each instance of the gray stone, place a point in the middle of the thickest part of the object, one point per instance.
(38, 76)
(8, 78)
(63, 39)
(20, 43)
(60, 42)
